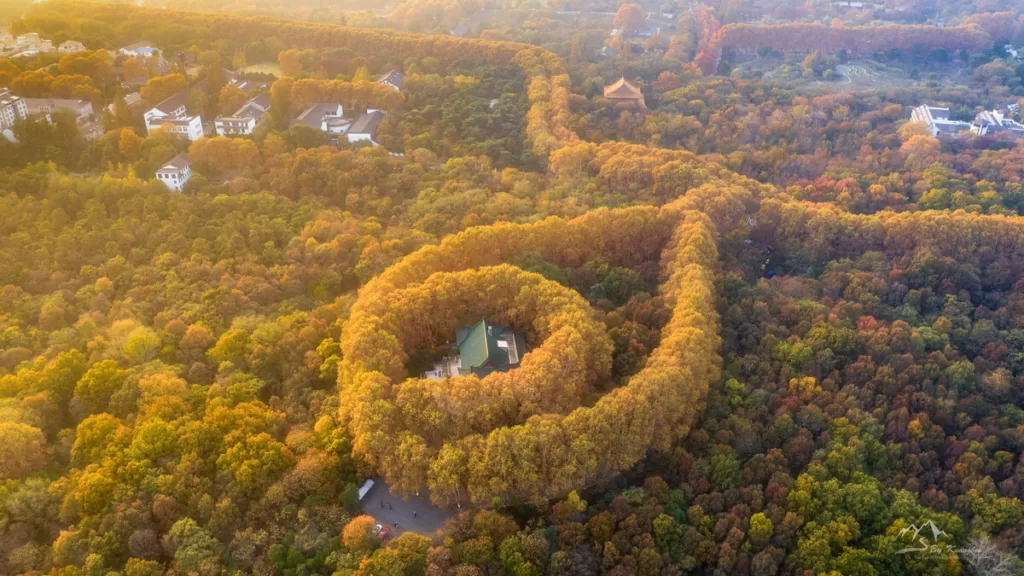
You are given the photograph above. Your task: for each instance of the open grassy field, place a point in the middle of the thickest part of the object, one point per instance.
(265, 68)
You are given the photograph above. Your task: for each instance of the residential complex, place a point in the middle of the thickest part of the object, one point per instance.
(330, 118)
(89, 125)
(23, 46)
(937, 120)
(988, 122)
(993, 122)
(82, 109)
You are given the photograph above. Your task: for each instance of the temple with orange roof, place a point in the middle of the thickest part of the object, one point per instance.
(625, 93)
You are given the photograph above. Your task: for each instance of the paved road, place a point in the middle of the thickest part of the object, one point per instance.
(429, 518)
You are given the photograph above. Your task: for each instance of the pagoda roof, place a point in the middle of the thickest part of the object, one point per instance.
(622, 89)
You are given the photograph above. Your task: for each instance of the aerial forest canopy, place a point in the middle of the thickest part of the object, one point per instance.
(768, 325)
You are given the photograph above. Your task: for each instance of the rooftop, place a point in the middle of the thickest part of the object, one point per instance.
(137, 45)
(486, 348)
(367, 123)
(394, 77)
(174, 102)
(248, 86)
(262, 100)
(57, 102)
(314, 115)
(250, 110)
(622, 89)
(179, 162)
(158, 121)
(6, 97)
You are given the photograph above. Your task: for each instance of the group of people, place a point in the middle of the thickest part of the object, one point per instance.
(387, 505)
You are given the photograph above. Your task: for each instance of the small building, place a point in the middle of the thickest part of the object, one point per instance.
(394, 78)
(28, 45)
(992, 122)
(937, 120)
(82, 109)
(365, 489)
(175, 173)
(460, 31)
(12, 109)
(324, 116)
(248, 86)
(139, 50)
(483, 348)
(172, 115)
(235, 125)
(623, 92)
(187, 127)
(132, 100)
(71, 46)
(364, 129)
(641, 32)
(26, 41)
(986, 123)
(245, 119)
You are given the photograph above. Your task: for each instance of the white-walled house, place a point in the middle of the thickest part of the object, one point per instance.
(172, 114)
(70, 46)
(82, 109)
(139, 49)
(12, 109)
(326, 117)
(364, 129)
(937, 120)
(175, 173)
(245, 119)
(394, 79)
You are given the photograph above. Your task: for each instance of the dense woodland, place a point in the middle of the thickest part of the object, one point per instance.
(768, 331)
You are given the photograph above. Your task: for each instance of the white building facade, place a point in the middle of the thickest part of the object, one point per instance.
(175, 173)
(12, 109)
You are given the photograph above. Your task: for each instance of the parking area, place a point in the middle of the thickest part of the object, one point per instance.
(415, 514)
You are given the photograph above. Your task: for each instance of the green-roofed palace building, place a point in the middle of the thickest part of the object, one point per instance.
(482, 348)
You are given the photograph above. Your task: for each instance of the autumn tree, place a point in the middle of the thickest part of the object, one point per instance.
(231, 98)
(22, 450)
(360, 535)
(630, 17)
(159, 88)
(290, 63)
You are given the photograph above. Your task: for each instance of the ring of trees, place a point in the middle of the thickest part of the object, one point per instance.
(526, 435)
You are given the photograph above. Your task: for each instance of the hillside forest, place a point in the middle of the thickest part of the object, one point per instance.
(773, 326)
